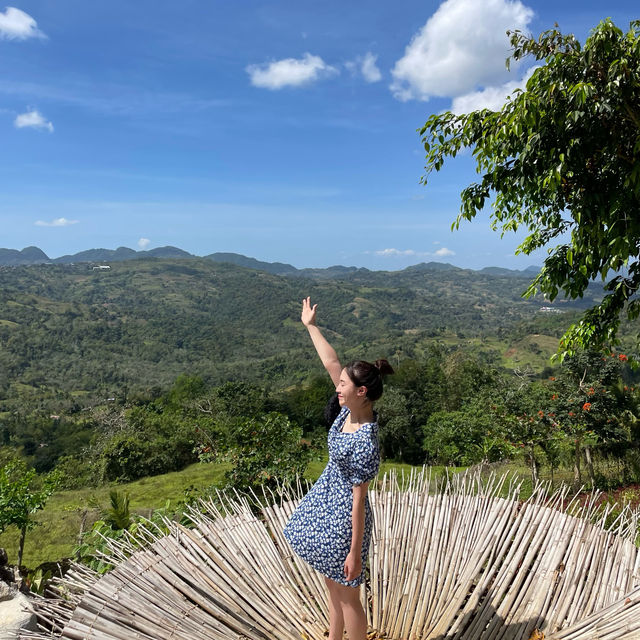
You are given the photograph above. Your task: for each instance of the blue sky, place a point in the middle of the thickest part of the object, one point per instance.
(285, 131)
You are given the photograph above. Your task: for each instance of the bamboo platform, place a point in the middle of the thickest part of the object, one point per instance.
(449, 560)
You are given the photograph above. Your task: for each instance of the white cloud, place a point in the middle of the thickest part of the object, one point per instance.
(369, 69)
(57, 222)
(18, 25)
(290, 72)
(394, 253)
(365, 65)
(143, 243)
(461, 47)
(33, 119)
(490, 98)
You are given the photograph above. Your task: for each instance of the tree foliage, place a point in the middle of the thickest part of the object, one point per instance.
(562, 160)
(266, 451)
(22, 494)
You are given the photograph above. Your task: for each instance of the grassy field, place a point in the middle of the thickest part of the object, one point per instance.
(60, 521)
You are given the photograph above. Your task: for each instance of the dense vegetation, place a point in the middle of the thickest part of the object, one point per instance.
(69, 335)
(111, 377)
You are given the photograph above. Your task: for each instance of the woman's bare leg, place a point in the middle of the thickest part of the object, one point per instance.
(352, 614)
(336, 621)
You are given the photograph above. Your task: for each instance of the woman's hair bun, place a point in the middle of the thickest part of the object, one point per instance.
(385, 368)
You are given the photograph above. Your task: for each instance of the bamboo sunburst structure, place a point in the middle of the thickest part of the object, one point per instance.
(449, 560)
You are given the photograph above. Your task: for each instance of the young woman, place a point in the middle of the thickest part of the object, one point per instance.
(331, 528)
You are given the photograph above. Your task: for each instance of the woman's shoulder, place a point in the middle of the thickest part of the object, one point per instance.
(340, 418)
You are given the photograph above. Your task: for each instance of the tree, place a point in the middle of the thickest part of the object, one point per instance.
(21, 497)
(590, 403)
(562, 159)
(266, 451)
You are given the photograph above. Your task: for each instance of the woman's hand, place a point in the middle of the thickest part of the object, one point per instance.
(308, 315)
(352, 566)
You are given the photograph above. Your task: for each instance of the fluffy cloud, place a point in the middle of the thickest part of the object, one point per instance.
(290, 72)
(462, 46)
(33, 119)
(57, 222)
(443, 251)
(18, 25)
(490, 98)
(143, 243)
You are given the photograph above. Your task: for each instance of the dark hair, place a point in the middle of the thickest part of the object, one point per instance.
(365, 374)
(332, 409)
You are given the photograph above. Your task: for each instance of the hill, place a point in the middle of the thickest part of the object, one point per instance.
(65, 328)
(28, 255)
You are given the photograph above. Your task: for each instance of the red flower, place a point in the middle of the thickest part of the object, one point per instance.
(554, 396)
(551, 378)
(571, 413)
(541, 414)
(591, 391)
(622, 357)
(586, 406)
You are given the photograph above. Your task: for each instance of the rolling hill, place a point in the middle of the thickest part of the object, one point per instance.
(69, 329)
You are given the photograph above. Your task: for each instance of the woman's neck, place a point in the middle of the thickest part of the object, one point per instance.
(361, 415)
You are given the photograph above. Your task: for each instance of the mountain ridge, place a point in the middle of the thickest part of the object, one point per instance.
(33, 255)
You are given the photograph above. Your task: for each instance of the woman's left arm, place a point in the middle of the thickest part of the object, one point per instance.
(353, 563)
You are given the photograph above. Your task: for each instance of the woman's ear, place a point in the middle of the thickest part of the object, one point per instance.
(362, 391)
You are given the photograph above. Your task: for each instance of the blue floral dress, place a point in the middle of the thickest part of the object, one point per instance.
(320, 528)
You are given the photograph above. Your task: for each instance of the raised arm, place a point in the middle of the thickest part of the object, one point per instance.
(326, 352)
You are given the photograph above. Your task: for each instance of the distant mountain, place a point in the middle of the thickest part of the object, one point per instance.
(122, 253)
(33, 255)
(277, 268)
(98, 255)
(28, 255)
(166, 252)
(433, 266)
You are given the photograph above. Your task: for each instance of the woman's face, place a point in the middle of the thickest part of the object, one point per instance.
(348, 393)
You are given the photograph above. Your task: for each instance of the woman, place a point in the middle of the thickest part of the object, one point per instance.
(331, 528)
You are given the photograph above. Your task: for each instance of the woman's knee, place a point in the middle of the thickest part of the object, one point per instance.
(344, 593)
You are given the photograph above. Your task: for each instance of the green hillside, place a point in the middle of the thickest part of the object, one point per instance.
(69, 333)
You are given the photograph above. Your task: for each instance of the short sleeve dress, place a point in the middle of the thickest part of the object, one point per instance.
(319, 530)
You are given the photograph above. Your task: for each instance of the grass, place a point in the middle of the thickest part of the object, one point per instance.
(59, 522)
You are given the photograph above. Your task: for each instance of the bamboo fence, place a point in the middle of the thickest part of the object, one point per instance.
(449, 560)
